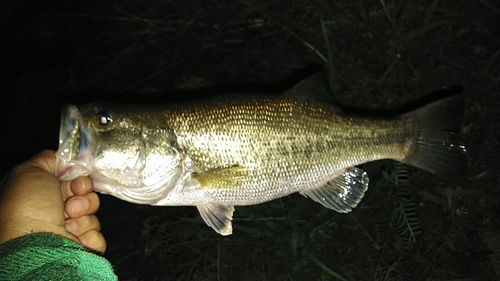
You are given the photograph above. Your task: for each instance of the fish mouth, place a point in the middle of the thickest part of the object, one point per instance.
(76, 145)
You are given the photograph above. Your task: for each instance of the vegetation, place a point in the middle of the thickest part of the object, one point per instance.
(377, 54)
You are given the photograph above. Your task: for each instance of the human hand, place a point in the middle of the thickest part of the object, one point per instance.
(35, 201)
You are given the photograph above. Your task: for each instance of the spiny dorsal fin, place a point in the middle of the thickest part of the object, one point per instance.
(218, 217)
(343, 193)
(314, 87)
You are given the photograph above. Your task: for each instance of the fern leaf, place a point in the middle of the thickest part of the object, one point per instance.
(405, 220)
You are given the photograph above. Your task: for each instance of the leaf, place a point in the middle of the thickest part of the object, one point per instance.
(405, 220)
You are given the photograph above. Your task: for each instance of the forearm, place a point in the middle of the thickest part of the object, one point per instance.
(51, 257)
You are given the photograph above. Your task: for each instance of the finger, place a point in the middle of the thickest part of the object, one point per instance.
(78, 186)
(93, 240)
(78, 206)
(82, 185)
(82, 225)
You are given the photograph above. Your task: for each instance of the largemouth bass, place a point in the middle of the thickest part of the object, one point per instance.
(224, 152)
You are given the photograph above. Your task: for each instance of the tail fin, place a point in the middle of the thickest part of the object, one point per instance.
(437, 148)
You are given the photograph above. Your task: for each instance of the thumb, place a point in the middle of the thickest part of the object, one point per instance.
(45, 160)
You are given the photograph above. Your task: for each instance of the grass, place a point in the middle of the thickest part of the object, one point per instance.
(377, 54)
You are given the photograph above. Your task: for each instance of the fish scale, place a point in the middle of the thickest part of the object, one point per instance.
(307, 142)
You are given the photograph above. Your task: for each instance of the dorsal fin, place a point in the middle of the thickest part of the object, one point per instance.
(314, 87)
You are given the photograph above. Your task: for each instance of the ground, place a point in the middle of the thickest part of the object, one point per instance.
(378, 55)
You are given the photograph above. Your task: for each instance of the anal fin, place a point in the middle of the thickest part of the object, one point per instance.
(218, 217)
(343, 193)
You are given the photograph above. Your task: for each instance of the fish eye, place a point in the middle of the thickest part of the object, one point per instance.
(104, 118)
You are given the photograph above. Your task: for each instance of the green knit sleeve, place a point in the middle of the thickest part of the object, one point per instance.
(44, 256)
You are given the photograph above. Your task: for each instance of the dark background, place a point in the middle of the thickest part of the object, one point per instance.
(378, 55)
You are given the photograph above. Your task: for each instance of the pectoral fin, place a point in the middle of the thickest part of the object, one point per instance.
(227, 177)
(217, 217)
(343, 192)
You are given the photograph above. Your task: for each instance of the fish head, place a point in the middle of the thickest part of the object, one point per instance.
(129, 153)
